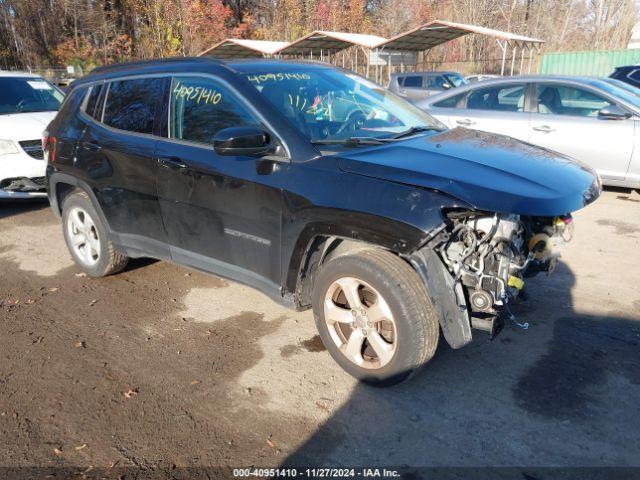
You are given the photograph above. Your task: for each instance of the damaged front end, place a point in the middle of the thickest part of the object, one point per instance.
(477, 262)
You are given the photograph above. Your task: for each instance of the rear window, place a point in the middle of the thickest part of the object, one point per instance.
(131, 104)
(506, 98)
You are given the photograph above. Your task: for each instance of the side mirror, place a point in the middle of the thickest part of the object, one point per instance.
(446, 86)
(613, 112)
(243, 141)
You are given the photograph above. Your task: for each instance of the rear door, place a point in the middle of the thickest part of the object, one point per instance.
(496, 109)
(566, 120)
(222, 213)
(116, 153)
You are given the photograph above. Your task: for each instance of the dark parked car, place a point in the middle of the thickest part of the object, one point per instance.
(629, 74)
(318, 188)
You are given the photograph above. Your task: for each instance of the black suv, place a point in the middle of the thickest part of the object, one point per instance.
(629, 74)
(318, 188)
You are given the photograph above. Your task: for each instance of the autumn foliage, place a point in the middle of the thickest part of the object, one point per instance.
(86, 33)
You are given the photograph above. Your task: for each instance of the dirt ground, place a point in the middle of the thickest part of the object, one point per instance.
(161, 367)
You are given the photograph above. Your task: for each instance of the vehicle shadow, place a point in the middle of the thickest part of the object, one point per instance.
(136, 263)
(9, 208)
(562, 394)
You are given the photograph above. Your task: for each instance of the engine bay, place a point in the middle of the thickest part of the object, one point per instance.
(490, 255)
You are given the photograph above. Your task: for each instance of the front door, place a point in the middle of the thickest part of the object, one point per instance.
(566, 120)
(221, 213)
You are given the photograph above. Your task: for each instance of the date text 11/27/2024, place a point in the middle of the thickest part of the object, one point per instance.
(316, 473)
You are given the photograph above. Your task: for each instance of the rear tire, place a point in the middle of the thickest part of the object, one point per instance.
(87, 237)
(374, 316)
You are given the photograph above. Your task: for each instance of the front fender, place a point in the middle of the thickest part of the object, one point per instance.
(446, 296)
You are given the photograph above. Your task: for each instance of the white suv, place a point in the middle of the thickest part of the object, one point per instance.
(27, 104)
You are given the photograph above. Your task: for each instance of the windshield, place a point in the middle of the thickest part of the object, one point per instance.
(625, 86)
(628, 95)
(455, 79)
(28, 94)
(329, 105)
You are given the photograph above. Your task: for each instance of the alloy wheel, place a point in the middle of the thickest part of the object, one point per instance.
(83, 236)
(360, 323)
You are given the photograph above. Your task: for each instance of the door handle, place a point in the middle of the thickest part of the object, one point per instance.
(466, 121)
(544, 129)
(94, 147)
(172, 162)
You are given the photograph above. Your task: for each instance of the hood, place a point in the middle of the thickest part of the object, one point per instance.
(24, 126)
(488, 171)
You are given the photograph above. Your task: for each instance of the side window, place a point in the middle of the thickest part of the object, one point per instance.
(414, 81)
(131, 104)
(568, 100)
(451, 102)
(200, 107)
(437, 81)
(504, 98)
(92, 101)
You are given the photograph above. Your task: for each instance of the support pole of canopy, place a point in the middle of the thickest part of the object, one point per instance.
(514, 52)
(503, 47)
(530, 59)
(356, 60)
(367, 56)
(521, 58)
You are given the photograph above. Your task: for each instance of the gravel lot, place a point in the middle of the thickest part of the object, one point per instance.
(161, 366)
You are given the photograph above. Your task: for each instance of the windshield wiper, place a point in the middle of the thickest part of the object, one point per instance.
(355, 141)
(418, 129)
(350, 142)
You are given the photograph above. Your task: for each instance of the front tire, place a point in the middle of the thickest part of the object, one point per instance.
(374, 316)
(87, 238)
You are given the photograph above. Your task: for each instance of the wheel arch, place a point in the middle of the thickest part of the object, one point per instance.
(319, 242)
(318, 245)
(62, 185)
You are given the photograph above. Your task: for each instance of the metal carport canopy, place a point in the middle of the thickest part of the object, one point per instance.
(438, 32)
(239, 48)
(329, 42)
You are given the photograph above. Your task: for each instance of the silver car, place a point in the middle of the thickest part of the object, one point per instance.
(418, 85)
(589, 119)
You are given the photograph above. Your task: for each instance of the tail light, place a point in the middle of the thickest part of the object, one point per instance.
(49, 147)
